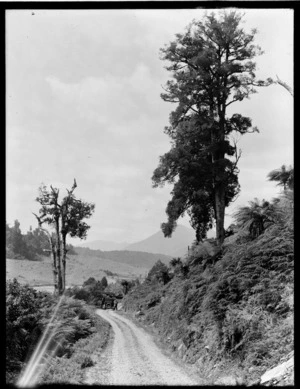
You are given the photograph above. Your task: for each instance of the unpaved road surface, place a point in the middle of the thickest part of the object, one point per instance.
(132, 358)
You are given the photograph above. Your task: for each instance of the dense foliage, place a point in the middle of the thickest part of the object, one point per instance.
(32, 245)
(95, 292)
(212, 66)
(29, 313)
(231, 306)
(29, 246)
(22, 320)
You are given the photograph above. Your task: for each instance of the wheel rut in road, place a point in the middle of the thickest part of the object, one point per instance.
(134, 359)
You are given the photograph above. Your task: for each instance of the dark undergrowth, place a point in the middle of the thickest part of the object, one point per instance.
(75, 332)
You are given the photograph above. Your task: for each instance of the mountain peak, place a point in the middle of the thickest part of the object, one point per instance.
(176, 245)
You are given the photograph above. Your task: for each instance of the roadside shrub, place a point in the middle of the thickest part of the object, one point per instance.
(153, 299)
(87, 362)
(22, 321)
(69, 369)
(28, 314)
(90, 281)
(159, 273)
(82, 294)
(243, 324)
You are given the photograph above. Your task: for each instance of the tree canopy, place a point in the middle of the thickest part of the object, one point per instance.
(211, 67)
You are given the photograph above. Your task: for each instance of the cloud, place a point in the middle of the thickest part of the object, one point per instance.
(109, 99)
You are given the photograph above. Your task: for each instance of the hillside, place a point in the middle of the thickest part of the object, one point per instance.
(103, 245)
(87, 263)
(176, 246)
(230, 311)
(137, 259)
(37, 273)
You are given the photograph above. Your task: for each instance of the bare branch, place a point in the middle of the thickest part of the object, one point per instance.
(38, 219)
(285, 85)
(54, 190)
(74, 186)
(43, 229)
(233, 101)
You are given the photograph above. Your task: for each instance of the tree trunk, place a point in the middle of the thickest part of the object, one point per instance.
(64, 263)
(54, 263)
(58, 257)
(220, 187)
(54, 266)
(220, 212)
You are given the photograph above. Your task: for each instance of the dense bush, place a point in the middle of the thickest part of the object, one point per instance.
(95, 292)
(92, 291)
(25, 246)
(237, 303)
(30, 313)
(159, 273)
(31, 245)
(22, 324)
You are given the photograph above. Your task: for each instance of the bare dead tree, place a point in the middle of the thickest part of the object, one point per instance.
(65, 217)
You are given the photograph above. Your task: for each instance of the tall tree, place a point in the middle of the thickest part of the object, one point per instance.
(65, 218)
(211, 65)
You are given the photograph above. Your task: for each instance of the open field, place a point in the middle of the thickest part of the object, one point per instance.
(79, 269)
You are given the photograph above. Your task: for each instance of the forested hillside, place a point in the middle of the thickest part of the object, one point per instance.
(228, 310)
(132, 258)
(31, 245)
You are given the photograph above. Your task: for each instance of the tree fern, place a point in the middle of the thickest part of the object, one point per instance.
(256, 217)
(284, 176)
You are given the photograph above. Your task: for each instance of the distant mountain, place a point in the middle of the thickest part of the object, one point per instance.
(132, 258)
(176, 246)
(103, 245)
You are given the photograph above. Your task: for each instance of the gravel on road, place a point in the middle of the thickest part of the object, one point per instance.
(132, 358)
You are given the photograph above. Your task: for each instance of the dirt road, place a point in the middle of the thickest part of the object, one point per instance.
(133, 359)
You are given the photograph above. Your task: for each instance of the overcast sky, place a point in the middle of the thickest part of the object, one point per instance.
(83, 100)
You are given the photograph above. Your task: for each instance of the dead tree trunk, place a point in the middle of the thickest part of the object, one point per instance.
(58, 257)
(64, 257)
(54, 266)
